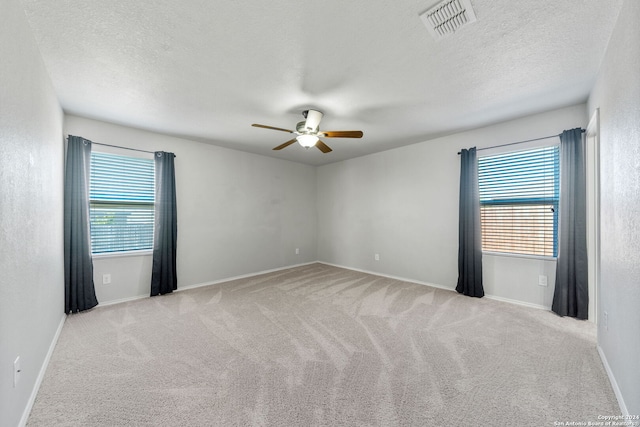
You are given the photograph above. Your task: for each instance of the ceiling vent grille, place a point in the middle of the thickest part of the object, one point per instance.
(447, 17)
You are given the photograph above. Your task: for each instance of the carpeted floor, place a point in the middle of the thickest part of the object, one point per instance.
(322, 346)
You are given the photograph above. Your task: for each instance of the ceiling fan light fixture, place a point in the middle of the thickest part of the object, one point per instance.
(307, 140)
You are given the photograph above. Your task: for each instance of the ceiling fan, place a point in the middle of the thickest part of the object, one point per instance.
(309, 132)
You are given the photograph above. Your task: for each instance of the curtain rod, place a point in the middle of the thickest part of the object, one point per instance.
(124, 148)
(521, 142)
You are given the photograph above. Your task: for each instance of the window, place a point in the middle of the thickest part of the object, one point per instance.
(519, 195)
(121, 197)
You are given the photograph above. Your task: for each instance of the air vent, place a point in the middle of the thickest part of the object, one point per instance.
(447, 17)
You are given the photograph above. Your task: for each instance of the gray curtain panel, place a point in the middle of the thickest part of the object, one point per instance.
(78, 266)
(470, 236)
(571, 295)
(165, 235)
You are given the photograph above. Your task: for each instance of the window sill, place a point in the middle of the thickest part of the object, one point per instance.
(147, 252)
(507, 255)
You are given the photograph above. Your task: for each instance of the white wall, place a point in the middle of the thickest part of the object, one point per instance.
(31, 198)
(238, 213)
(403, 205)
(617, 94)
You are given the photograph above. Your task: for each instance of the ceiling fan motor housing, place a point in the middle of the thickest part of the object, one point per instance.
(312, 124)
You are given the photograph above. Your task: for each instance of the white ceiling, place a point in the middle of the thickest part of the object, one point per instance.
(206, 70)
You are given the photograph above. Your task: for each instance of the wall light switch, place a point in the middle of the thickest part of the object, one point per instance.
(376, 257)
(106, 279)
(297, 251)
(542, 280)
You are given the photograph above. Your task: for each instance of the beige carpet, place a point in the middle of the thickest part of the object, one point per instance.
(322, 346)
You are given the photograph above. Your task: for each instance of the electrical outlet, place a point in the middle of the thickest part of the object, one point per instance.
(376, 257)
(106, 279)
(542, 280)
(16, 372)
(297, 251)
(605, 321)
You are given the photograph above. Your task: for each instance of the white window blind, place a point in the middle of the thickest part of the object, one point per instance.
(519, 194)
(121, 196)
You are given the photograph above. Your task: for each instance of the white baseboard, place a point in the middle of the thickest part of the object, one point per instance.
(121, 300)
(43, 369)
(433, 285)
(375, 273)
(243, 276)
(614, 383)
(516, 302)
(200, 285)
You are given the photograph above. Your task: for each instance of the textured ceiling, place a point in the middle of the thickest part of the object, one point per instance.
(207, 70)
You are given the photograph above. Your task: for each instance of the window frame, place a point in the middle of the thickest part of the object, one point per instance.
(124, 253)
(535, 201)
